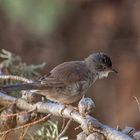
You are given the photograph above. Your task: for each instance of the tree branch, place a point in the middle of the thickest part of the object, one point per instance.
(88, 123)
(14, 77)
(64, 130)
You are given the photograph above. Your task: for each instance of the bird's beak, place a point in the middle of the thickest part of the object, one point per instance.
(113, 70)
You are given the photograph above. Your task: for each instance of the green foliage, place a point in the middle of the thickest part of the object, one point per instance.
(49, 131)
(41, 16)
(8, 58)
(16, 66)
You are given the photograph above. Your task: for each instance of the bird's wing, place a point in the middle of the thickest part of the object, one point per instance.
(66, 73)
(62, 75)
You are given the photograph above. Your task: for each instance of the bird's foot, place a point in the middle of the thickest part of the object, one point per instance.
(62, 110)
(72, 109)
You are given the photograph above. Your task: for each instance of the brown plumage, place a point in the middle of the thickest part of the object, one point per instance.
(69, 81)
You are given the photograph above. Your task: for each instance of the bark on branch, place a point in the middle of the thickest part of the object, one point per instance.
(88, 123)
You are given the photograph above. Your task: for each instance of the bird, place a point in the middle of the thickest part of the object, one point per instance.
(69, 81)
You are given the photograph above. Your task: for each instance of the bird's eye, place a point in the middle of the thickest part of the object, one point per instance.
(103, 67)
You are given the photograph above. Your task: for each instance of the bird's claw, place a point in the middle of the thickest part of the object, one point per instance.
(73, 109)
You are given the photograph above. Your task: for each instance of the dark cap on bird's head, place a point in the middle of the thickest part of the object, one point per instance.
(102, 62)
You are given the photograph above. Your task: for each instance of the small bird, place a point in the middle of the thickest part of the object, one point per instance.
(69, 81)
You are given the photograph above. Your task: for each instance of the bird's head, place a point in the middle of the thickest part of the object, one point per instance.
(100, 63)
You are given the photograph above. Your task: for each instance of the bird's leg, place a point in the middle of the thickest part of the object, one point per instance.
(68, 106)
(62, 110)
(74, 108)
(64, 107)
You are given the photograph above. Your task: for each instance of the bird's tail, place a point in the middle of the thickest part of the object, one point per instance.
(28, 86)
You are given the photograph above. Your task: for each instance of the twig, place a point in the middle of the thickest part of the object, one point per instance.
(64, 130)
(76, 128)
(63, 124)
(138, 103)
(16, 114)
(13, 77)
(24, 133)
(3, 108)
(3, 137)
(26, 125)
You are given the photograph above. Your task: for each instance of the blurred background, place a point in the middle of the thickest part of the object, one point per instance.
(55, 31)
